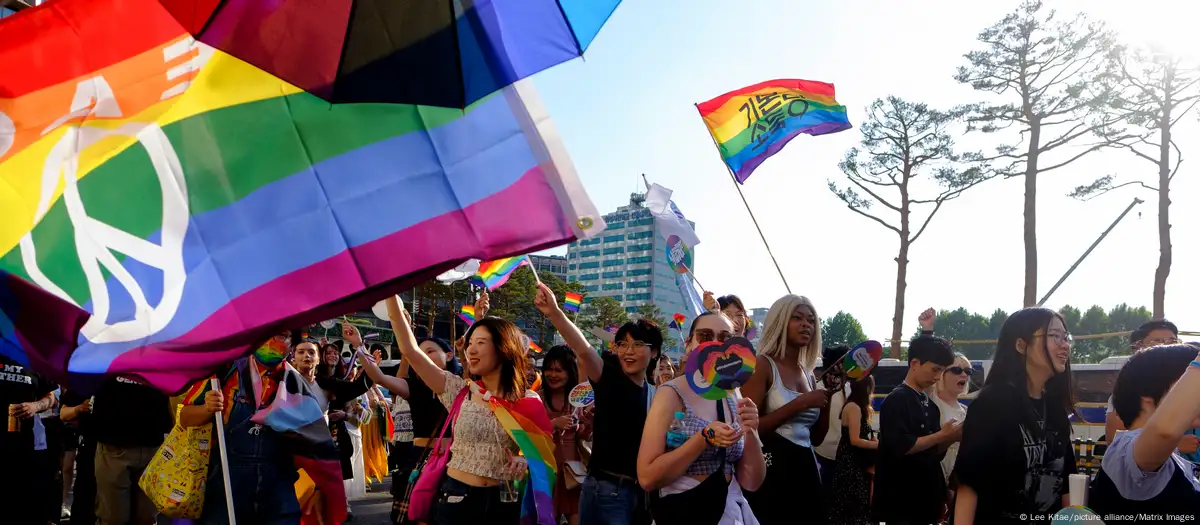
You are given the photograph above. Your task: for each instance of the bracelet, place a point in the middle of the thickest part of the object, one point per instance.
(710, 435)
(1196, 364)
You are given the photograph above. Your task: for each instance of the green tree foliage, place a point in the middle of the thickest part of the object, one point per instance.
(651, 312)
(1157, 90)
(841, 329)
(601, 312)
(968, 328)
(1051, 79)
(903, 144)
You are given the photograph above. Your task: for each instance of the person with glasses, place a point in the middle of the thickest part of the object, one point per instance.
(1016, 453)
(623, 390)
(700, 478)
(794, 412)
(731, 306)
(1148, 335)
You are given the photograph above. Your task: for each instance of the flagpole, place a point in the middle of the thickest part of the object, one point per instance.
(738, 186)
(220, 430)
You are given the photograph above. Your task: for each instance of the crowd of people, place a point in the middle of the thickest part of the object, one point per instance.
(794, 445)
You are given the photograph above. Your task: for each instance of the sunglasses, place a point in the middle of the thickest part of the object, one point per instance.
(705, 335)
(959, 370)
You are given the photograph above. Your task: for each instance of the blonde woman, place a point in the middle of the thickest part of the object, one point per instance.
(793, 412)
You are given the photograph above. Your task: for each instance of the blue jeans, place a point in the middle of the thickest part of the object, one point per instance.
(612, 502)
(261, 473)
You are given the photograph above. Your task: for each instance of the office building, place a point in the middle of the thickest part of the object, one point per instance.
(759, 316)
(628, 262)
(552, 264)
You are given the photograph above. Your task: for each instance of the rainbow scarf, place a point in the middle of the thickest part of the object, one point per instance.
(494, 274)
(529, 427)
(467, 314)
(753, 123)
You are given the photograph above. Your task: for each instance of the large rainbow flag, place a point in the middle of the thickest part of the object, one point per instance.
(753, 123)
(163, 205)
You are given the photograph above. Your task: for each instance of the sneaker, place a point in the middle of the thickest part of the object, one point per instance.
(66, 513)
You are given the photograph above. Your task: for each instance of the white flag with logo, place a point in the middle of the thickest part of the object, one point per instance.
(667, 216)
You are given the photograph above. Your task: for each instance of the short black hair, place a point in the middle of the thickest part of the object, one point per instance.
(642, 330)
(1149, 373)
(931, 348)
(831, 354)
(1144, 331)
(725, 300)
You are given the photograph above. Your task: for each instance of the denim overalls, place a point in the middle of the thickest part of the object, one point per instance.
(261, 470)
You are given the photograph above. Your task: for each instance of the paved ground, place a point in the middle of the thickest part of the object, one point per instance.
(375, 509)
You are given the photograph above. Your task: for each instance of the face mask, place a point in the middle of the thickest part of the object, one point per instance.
(271, 353)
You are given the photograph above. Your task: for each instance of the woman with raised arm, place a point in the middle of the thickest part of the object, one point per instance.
(794, 411)
(611, 494)
(480, 485)
(426, 411)
(696, 473)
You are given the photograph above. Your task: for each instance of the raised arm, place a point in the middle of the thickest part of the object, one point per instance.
(429, 372)
(395, 385)
(590, 364)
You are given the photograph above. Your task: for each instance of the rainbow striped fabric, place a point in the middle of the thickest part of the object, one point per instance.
(493, 274)
(467, 314)
(571, 301)
(753, 123)
(529, 426)
(174, 205)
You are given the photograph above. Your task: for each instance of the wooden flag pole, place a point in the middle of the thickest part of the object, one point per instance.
(532, 269)
(738, 186)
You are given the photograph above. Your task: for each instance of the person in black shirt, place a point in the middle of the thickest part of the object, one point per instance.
(620, 380)
(130, 421)
(1016, 453)
(909, 484)
(76, 412)
(25, 481)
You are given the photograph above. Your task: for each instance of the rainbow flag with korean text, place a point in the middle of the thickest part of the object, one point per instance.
(753, 123)
(164, 206)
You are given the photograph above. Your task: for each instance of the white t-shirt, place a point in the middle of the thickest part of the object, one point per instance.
(828, 448)
(949, 411)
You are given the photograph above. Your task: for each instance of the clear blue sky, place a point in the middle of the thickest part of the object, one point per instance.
(628, 109)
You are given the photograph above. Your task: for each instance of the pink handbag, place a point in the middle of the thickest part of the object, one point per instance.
(422, 494)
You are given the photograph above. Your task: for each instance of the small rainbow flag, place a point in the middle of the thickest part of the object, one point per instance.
(753, 123)
(493, 274)
(678, 321)
(529, 426)
(534, 348)
(467, 314)
(571, 302)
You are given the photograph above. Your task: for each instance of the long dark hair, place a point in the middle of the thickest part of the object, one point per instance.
(860, 394)
(565, 358)
(323, 370)
(506, 338)
(1009, 366)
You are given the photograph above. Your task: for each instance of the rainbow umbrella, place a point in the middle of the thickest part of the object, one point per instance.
(446, 53)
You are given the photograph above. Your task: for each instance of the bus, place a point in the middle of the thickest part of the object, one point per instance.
(1093, 386)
